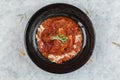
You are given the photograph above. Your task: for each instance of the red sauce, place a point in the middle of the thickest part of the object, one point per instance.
(60, 37)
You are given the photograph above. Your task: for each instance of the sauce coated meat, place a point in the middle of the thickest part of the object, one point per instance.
(59, 39)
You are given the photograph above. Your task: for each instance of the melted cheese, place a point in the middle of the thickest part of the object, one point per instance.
(74, 46)
(72, 53)
(57, 58)
(78, 38)
(41, 28)
(38, 39)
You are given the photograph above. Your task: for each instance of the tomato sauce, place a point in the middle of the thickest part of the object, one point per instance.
(59, 39)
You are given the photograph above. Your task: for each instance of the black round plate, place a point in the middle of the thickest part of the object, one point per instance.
(60, 9)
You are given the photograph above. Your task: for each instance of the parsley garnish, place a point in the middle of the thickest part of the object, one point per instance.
(61, 38)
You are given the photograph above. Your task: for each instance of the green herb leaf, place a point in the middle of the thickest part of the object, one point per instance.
(117, 44)
(62, 38)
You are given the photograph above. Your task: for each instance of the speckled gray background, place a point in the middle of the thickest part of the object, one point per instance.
(104, 63)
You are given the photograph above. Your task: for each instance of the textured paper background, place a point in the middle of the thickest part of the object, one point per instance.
(105, 63)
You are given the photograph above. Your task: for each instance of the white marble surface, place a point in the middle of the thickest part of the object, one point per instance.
(105, 64)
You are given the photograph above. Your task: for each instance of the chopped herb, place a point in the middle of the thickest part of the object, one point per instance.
(86, 11)
(62, 38)
(117, 44)
(22, 16)
(22, 54)
(90, 60)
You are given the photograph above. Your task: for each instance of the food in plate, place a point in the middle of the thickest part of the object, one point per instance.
(59, 39)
